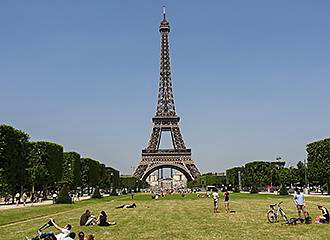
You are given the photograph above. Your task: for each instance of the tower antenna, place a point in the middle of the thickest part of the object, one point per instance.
(164, 13)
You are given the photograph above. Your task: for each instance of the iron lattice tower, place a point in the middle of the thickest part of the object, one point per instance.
(166, 119)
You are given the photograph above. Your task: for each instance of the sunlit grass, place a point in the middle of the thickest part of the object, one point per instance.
(172, 217)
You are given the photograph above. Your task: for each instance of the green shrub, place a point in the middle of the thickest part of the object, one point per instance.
(113, 192)
(64, 196)
(97, 193)
(254, 189)
(284, 191)
(236, 189)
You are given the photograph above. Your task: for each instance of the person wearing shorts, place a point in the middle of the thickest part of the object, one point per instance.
(215, 201)
(226, 200)
(300, 203)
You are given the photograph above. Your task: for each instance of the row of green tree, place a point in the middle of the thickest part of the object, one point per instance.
(208, 179)
(264, 174)
(27, 165)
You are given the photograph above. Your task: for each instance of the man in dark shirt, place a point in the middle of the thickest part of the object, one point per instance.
(84, 219)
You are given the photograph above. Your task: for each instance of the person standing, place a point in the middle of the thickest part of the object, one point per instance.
(17, 198)
(215, 201)
(32, 199)
(54, 197)
(226, 200)
(24, 198)
(299, 200)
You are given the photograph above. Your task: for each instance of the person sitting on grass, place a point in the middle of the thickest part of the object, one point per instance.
(89, 237)
(87, 219)
(102, 220)
(81, 236)
(325, 215)
(127, 206)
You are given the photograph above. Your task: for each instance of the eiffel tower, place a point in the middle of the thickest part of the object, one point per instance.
(166, 119)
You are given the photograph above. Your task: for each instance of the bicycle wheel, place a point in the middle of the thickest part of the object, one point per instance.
(271, 215)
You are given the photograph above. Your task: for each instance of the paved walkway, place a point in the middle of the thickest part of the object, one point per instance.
(29, 204)
(306, 195)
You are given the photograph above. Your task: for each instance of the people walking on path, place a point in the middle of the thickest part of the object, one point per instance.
(54, 197)
(17, 198)
(24, 198)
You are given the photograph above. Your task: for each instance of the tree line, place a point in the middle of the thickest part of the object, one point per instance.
(261, 174)
(27, 165)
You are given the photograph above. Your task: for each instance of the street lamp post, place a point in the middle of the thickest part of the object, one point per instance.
(111, 177)
(306, 180)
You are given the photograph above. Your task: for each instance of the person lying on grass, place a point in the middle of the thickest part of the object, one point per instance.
(71, 236)
(127, 206)
(43, 236)
(64, 232)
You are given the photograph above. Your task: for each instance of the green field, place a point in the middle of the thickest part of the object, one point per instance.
(172, 217)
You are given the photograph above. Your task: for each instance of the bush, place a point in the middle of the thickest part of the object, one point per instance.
(97, 193)
(64, 196)
(236, 189)
(254, 189)
(284, 191)
(113, 192)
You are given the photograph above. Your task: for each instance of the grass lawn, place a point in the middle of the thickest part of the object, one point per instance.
(172, 217)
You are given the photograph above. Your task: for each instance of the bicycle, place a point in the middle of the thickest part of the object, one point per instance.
(273, 214)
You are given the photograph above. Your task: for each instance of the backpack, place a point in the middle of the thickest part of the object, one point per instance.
(308, 220)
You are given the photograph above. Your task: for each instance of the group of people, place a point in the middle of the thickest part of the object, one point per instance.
(65, 233)
(34, 197)
(299, 201)
(87, 219)
(215, 196)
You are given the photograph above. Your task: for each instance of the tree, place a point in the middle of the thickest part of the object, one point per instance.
(208, 179)
(13, 157)
(318, 157)
(45, 163)
(129, 182)
(90, 173)
(232, 177)
(71, 169)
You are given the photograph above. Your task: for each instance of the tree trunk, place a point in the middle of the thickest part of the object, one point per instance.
(328, 185)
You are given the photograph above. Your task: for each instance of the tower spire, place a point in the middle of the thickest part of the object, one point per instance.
(164, 13)
(165, 105)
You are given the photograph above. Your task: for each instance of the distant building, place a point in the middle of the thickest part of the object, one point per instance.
(178, 181)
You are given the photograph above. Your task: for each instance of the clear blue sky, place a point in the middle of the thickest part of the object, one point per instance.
(251, 78)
